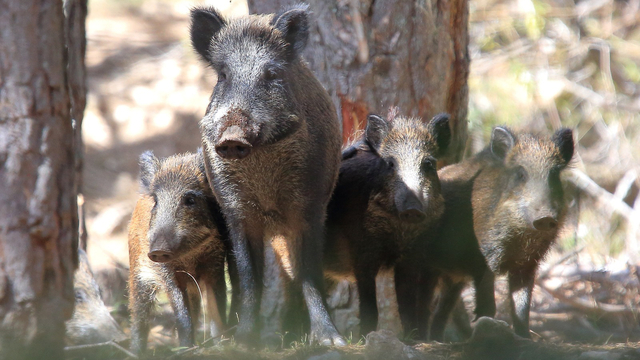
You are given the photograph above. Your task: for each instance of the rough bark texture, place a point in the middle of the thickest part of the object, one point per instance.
(38, 212)
(371, 55)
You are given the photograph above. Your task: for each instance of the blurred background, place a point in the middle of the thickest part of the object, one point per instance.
(535, 66)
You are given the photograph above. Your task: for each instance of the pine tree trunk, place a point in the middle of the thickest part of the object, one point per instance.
(38, 210)
(374, 54)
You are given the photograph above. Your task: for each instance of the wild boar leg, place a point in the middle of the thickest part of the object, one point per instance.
(520, 289)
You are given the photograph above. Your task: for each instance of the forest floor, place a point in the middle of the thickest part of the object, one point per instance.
(491, 340)
(147, 91)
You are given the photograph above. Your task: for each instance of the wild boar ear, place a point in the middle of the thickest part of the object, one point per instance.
(149, 165)
(563, 138)
(502, 140)
(377, 130)
(440, 131)
(205, 24)
(200, 160)
(293, 23)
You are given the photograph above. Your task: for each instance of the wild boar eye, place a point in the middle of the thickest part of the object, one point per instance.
(521, 174)
(428, 165)
(391, 163)
(189, 200)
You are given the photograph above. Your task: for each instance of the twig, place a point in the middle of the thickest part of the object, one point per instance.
(204, 310)
(624, 185)
(588, 306)
(596, 98)
(631, 240)
(363, 47)
(193, 348)
(543, 275)
(110, 343)
(632, 215)
(587, 7)
(583, 182)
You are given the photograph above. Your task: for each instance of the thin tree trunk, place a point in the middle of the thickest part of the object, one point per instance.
(75, 32)
(38, 212)
(371, 55)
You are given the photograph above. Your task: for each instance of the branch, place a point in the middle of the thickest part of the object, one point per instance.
(363, 47)
(614, 204)
(99, 345)
(592, 307)
(583, 182)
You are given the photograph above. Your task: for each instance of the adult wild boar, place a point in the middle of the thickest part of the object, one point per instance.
(271, 141)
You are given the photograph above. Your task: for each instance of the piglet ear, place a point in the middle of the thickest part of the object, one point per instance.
(440, 131)
(200, 161)
(502, 140)
(149, 165)
(293, 23)
(563, 139)
(377, 130)
(205, 24)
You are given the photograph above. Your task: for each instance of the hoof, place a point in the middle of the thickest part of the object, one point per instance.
(328, 338)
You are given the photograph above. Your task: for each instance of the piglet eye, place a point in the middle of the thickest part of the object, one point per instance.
(521, 174)
(81, 296)
(222, 75)
(428, 165)
(189, 200)
(390, 163)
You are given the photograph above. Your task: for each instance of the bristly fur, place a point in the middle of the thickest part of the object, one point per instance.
(195, 234)
(379, 171)
(493, 202)
(269, 100)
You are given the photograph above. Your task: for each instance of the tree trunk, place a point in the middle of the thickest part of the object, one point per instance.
(374, 54)
(75, 34)
(371, 55)
(38, 210)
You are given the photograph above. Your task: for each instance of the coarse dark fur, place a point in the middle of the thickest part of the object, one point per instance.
(271, 141)
(91, 321)
(388, 194)
(178, 223)
(508, 200)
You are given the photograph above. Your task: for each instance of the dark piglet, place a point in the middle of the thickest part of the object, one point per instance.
(271, 141)
(176, 232)
(387, 196)
(511, 197)
(91, 321)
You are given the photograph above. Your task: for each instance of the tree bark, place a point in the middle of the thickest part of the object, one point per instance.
(38, 209)
(371, 55)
